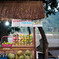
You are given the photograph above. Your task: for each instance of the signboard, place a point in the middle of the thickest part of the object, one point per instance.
(27, 23)
(16, 23)
(37, 23)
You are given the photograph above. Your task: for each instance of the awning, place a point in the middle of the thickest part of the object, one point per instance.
(22, 10)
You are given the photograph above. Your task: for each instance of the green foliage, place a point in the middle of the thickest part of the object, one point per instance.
(53, 4)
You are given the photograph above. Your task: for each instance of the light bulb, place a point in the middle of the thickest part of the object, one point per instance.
(7, 23)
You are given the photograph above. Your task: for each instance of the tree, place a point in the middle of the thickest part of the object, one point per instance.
(50, 6)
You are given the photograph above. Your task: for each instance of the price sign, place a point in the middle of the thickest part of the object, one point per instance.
(27, 23)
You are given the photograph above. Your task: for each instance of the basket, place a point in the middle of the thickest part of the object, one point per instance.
(5, 45)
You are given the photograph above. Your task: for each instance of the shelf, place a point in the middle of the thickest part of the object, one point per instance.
(19, 47)
(22, 46)
(13, 48)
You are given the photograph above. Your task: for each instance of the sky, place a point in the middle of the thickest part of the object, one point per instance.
(53, 18)
(52, 21)
(58, 0)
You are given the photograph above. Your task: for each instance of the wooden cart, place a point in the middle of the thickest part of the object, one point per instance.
(23, 48)
(24, 10)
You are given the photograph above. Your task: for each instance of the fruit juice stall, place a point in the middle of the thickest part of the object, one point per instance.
(22, 44)
(21, 14)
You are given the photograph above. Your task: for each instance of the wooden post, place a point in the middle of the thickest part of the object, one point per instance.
(29, 30)
(45, 43)
(34, 41)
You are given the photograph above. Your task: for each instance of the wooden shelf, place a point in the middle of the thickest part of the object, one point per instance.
(19, 47)
(24, 46)
(11, 49)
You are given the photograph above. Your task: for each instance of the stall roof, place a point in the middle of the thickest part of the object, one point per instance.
(22, 10)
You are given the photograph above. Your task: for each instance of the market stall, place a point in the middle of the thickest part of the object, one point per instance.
(23, 45)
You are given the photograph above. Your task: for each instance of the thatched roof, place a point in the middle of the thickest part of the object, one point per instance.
(22, 10)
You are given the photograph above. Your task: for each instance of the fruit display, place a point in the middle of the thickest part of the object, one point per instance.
(24, 55)
(21, 54)
(6, 44)
(22, 40)
(27, 53)
(11, 56)
(21, 57)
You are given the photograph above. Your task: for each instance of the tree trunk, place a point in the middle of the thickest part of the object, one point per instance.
(45, 43)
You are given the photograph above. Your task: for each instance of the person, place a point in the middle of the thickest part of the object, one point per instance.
(40, 47)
